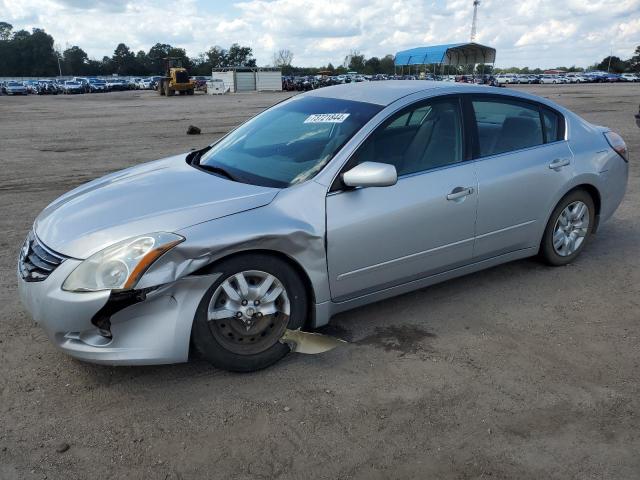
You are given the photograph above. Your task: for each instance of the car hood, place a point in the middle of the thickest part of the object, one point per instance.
(166, 195)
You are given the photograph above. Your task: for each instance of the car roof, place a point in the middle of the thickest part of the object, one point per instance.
(386, 92)
(380, 93)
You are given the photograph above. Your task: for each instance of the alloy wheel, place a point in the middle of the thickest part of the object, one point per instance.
(249, 311)
(571, 228)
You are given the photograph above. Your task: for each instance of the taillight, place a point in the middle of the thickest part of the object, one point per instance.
(617, 143)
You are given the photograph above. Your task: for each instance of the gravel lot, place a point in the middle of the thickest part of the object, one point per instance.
(522, 371)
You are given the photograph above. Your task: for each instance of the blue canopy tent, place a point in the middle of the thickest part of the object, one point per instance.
(454, 54)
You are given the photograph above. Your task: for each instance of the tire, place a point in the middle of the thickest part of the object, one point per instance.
(189, 92)
(223, 341)
(564, 252)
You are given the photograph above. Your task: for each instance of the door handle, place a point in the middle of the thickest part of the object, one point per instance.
(558, 163)
(460, 192)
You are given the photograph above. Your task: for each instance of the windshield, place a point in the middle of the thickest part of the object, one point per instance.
(290, 142)
(14, 84)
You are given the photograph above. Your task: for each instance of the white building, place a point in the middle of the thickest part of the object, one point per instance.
(248, 79)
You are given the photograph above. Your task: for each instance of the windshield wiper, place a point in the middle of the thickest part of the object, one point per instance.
(218, 171)
(194, 157)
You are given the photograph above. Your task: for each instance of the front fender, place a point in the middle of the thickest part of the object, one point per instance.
(292, 225)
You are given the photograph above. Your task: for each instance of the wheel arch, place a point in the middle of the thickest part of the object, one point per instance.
(595, 195)
(306, 280)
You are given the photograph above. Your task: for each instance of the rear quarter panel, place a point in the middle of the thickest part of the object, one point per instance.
(597, 164)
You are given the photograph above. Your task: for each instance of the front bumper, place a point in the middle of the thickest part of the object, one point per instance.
(154, 331)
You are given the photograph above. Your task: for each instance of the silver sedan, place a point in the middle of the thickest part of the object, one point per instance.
(330, 200)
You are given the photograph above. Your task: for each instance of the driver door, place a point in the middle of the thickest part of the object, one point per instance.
(380, 237)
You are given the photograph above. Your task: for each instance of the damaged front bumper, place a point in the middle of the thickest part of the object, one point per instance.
(153, 329)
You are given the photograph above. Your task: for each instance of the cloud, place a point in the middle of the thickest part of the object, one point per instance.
(98, 5)
(544, 33)
(550, 32)
(232, 26)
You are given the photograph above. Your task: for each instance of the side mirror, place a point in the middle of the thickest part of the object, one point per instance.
(371, 174)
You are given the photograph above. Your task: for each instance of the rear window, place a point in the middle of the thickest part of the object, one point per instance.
(505, 126)
(552, 125)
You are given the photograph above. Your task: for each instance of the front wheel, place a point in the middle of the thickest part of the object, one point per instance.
(568, 229)
(245, 312)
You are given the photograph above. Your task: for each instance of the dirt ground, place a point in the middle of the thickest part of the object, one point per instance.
(520, 372)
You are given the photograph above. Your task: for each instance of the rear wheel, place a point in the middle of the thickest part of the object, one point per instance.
(568, 229)
(245, 312)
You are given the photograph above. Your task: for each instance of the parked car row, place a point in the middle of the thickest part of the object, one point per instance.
(146, 83)
(76, 85)
(85, 85)
(303, 83)
(477, 79)
(570, 77)
(311, 82)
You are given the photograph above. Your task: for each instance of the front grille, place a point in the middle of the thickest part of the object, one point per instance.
(182, 77)
(36, 260)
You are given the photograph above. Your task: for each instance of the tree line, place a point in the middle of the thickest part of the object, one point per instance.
(32, 54)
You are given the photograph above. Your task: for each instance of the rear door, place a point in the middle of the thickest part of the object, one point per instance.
(522, 163)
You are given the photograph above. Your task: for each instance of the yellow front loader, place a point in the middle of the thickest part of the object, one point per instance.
(176, 79)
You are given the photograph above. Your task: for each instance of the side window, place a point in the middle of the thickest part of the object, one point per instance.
(422, 137)
(412, 117)
(504, 126)
(552, 125)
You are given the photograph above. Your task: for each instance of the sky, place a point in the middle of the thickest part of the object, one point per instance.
(534, 33)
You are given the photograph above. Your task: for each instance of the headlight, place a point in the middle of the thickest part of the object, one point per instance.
(120, 266)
